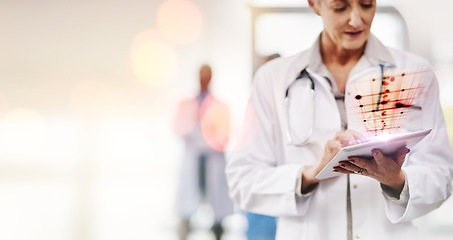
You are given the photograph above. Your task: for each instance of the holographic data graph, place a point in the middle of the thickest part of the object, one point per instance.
(384, 102)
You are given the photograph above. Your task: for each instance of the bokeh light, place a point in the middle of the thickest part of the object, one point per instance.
(215, 123)
(248, 130)
(155, 62)
(180, 21)
(186, 117)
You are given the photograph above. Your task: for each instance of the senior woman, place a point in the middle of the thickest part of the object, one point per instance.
(273, 169)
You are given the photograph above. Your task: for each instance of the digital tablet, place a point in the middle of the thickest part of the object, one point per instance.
(388, 144)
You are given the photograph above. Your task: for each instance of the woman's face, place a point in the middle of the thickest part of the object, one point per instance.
(347, 23)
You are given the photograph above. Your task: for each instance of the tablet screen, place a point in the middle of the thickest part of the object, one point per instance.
(388, 144)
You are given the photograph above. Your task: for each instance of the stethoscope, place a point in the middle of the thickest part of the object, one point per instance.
(298, 132)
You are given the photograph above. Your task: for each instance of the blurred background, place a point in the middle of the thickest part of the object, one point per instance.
(89, 90)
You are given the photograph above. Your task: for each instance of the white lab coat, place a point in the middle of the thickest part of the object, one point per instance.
(188, 124)
(264, 174)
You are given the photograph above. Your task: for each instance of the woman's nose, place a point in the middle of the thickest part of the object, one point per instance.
(355, 19)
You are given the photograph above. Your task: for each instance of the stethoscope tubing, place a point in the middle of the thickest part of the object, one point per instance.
(304, 73)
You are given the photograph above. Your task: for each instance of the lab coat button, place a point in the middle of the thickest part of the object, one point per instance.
(357, 236)
(355, 186)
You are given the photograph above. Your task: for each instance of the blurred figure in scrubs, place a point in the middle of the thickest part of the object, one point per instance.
(204, 124)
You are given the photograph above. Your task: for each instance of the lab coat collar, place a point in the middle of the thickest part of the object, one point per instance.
(375, 52)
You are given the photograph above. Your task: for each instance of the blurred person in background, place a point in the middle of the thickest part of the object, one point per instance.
(304, 110)
(204, 124)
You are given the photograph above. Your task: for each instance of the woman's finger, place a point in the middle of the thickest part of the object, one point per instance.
(358, 137)
(401, 155)
(359, 162)
(377, 155)
(341, 170)
(332, 146)
(350, 167)
(346, 138)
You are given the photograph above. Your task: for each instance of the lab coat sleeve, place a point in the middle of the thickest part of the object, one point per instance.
(258, 180)
(429, 165)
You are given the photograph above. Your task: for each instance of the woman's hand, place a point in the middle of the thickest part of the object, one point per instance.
(384, 168)
(331, 148)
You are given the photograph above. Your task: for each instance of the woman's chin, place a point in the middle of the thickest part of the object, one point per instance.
(354, 45)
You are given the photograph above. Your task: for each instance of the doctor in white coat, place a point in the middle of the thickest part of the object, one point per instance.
(308, 106)
(204, 124)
